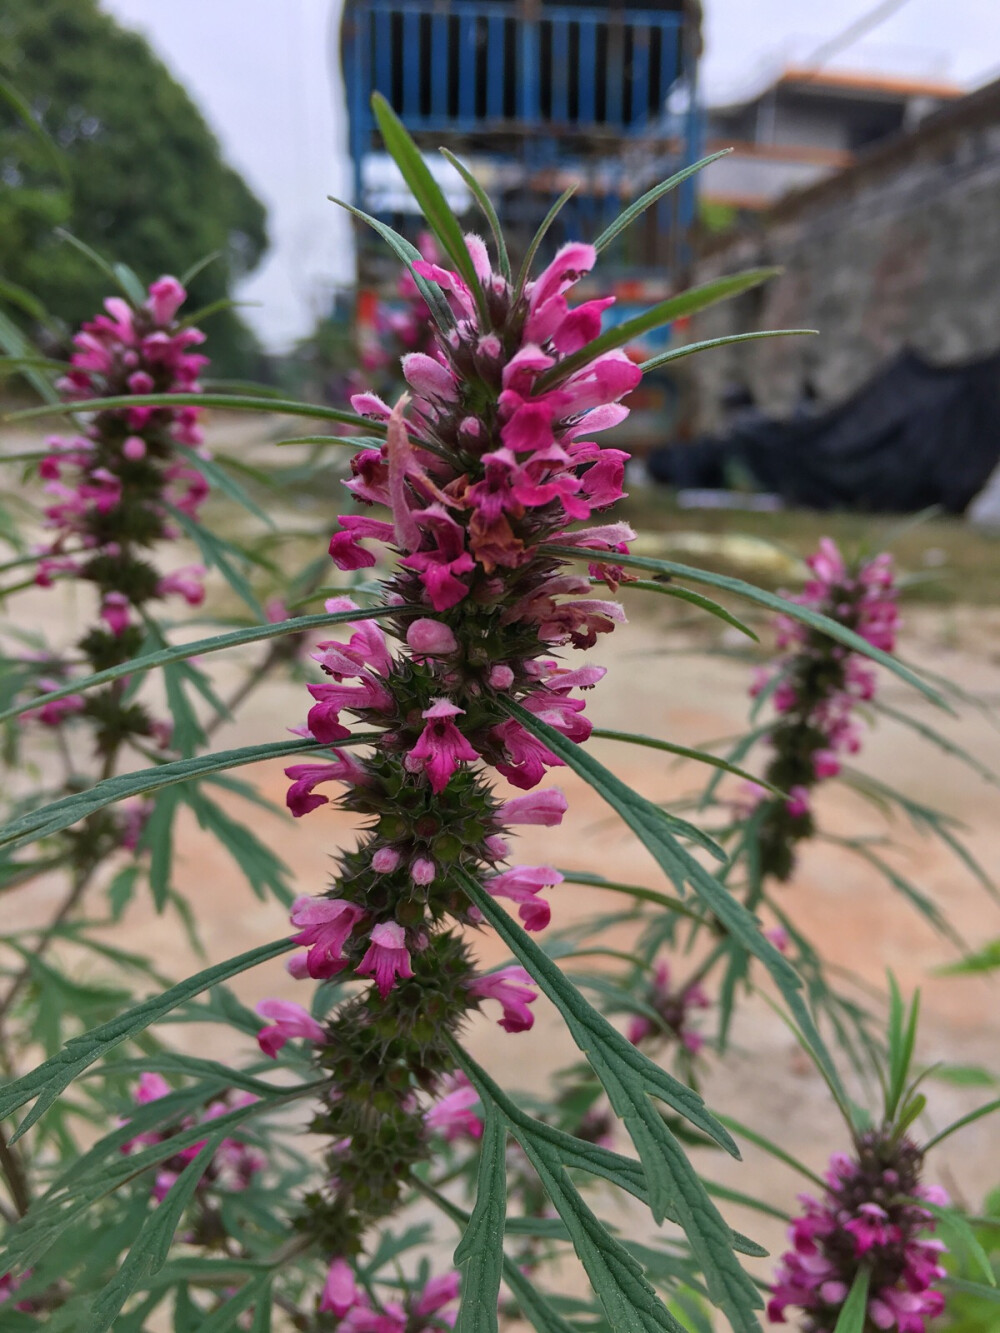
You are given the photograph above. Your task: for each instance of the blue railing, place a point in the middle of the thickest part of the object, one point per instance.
(545, 86)
(472, 67)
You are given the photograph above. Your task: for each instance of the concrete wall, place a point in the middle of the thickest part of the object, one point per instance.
(901, 249)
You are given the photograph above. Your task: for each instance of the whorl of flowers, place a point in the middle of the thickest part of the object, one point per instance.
(869, 1218)
(491, 457)
(233, 1166)
(674, 1008)
(111, 488)
(816, 686)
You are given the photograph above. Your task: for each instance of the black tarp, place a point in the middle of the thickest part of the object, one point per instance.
(915, 435)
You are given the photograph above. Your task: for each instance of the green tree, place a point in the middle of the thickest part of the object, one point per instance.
(145, 181)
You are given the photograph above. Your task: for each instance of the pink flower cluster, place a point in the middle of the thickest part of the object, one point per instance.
(869, 1218)
(109, 486)
(235, 1163)
(674, 1008)
(818, 684)
(489, 459)
(424, 1312)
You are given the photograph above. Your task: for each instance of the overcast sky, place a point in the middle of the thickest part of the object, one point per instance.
(265, 74)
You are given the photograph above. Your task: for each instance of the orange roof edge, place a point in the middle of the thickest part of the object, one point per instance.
(860, 80)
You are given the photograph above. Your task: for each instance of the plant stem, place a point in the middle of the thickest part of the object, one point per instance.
(10, 1164)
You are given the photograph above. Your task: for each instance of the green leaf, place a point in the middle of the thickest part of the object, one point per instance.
(216, 475)
(654, 830)
(902, 1038)
(986, 959)
(44, 1084)
(943, 743)
(965, 1076)
(489, 212)
(218, 552)
(199, 647)
(539, 236)
(428, 194)
(407, 254)
(256, 1292)
(12, 340)
(637, 891)
(631, 1081)
(157, 839)
(664, 312)
(802, 613)
(689, 349)
(149, 1252)
(480, 1251)
(113, 272)
(855, 1308)
(636, 209)
(70, 809)
(534, 1306)
(263, 870)
(695, 599)
(988, 1109)
(773, 1149)
(224, 401)
(684, 752)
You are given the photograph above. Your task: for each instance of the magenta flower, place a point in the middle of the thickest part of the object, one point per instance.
(441, 747)
(325, 926)
(541, 807)
(522, 884)
(387, 957)
(513, 988)
(867, 1218)
(290, 1020)
(339, 1291)
(452, 1114)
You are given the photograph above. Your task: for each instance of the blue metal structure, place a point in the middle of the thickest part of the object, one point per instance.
(535, 96)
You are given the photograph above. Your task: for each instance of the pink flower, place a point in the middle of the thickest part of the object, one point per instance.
(339, 1291)
(115, 613)
(452, 1115)
(325, 924)
(541, 807)
(438, 1292)
(798, 803)
(301, 797)
(441, 746)
(527, 758)
(429, 378)
(430, 638)
(166, 296)
(440, 567)
(387, 957)
(513, 988)
(290, 1020)
(186, 582)
(522, 884)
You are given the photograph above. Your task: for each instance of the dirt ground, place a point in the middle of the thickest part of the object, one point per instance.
(687, 698)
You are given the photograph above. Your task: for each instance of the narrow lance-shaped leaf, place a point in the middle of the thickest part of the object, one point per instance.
(695, 599)
(48, 1080)
(70, 809)
(428, 195)
(654, 831)
(684, 752)
(198, 648)
(664, 312)
(629, 1301)
(225, 401)
(631, 1080)
(489, 212)
(689, 349)
(480, 1252)
(639, 206)
(407, 254)
(774, 603)
(149, 1251)
(853, 1315)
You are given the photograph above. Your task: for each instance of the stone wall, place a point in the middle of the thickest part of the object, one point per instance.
(900, 249)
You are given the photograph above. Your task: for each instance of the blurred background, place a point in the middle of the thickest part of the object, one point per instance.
(865, 163)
